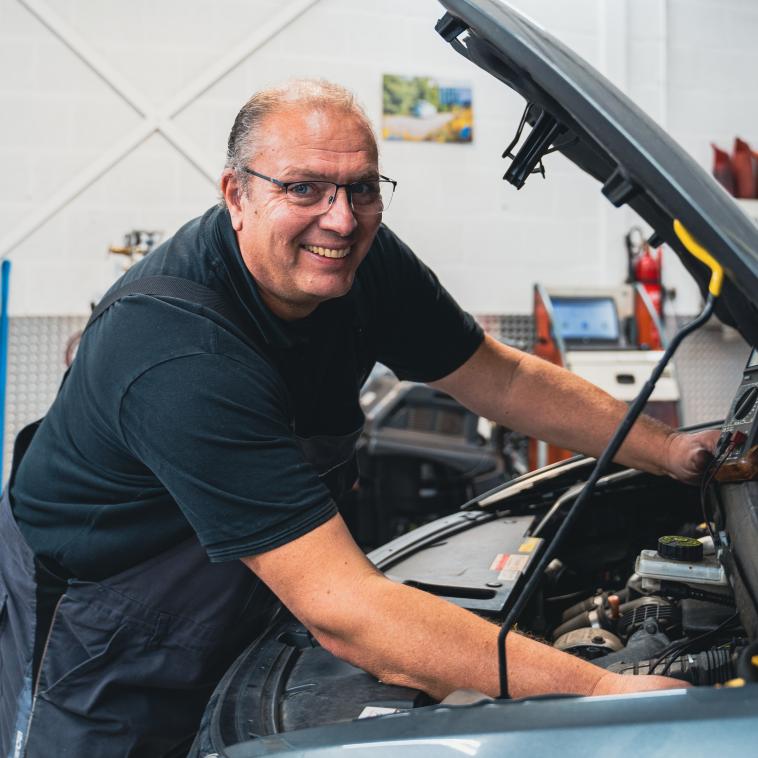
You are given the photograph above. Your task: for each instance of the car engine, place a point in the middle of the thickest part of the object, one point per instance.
(661, 622)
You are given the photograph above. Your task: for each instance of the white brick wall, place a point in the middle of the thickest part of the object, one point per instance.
(690, 63)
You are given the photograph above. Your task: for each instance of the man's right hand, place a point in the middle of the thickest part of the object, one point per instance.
(617, 684)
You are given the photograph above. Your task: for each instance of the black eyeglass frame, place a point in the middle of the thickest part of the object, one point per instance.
(286, 185)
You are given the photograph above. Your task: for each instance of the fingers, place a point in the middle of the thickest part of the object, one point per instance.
(646, 683)
(616, 684)
(689, 455)
(709, 439)
(702, 459)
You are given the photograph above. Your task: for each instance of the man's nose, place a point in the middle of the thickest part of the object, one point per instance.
(340, 217)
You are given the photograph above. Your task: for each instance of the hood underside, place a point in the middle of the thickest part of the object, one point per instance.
(581, 114)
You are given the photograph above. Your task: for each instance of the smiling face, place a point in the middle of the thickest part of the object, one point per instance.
(298, 262)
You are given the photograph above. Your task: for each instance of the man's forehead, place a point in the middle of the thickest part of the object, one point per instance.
(307, 135)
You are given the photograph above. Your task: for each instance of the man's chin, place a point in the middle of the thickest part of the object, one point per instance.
(332, 289)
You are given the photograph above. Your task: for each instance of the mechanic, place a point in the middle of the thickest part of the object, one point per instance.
(192, 457)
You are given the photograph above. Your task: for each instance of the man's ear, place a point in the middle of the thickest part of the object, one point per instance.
(232, 191)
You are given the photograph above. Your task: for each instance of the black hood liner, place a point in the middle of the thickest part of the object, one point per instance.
(617, 143)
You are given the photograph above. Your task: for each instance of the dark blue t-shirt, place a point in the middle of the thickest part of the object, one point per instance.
(174, 420)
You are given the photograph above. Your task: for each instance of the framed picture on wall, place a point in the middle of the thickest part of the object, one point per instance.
(426, 109)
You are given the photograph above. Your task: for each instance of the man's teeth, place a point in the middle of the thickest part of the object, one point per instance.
(327, 252)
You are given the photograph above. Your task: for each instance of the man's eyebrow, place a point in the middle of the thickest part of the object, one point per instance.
(295, 174)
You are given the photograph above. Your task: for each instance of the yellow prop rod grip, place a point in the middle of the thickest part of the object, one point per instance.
(717, 272)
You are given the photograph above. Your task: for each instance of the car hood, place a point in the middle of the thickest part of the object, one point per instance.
(608, 136)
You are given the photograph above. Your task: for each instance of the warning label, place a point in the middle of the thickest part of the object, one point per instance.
(513, 567)
(517, 562)
(528, 545)
(499, 563)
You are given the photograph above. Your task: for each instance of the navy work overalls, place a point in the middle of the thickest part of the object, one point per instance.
(126, 665)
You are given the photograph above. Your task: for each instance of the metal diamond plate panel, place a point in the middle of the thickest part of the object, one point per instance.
(515, 329)
(709, 366)
(36, 362)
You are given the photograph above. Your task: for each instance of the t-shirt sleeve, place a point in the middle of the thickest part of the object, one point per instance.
(216, 432)
(422, 334)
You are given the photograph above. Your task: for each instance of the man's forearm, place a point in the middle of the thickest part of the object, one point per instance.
(542, 400)
(409, 638)
(577, 415)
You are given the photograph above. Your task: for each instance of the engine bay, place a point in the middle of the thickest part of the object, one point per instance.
(637, 588)
(661, 602)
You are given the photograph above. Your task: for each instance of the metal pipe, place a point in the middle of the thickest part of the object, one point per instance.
(5, 275)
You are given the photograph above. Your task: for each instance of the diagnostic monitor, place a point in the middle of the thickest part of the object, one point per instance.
(587, 320)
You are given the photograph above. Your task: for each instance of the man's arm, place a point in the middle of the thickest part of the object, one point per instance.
(532, 396)
(407, 637)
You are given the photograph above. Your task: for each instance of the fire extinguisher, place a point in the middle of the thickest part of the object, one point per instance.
(645, 269)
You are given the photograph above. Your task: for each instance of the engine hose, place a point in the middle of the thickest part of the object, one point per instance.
(596, 619)
(580, 621)
(709, 667)
(587, 604)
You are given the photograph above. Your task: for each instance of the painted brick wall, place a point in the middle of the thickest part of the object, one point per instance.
(689, 62)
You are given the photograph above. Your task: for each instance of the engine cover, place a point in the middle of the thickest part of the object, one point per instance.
(474, 560)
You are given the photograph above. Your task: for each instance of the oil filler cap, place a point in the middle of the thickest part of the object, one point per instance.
(678, 548)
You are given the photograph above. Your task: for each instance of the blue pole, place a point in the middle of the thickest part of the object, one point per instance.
(5, 275)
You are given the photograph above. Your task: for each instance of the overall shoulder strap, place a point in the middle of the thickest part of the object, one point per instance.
(158, 286)
(169, 286)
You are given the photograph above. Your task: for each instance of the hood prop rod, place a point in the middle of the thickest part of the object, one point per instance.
(714, 290)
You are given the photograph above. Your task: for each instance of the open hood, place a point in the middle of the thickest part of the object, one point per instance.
(579, 112)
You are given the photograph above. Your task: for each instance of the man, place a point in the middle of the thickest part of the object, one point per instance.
(187, 431)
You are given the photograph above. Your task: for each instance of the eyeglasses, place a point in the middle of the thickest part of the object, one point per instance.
(315, 197)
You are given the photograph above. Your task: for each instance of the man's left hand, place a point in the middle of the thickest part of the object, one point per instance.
(688, 455)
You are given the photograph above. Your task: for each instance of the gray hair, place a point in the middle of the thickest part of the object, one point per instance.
(317, 94)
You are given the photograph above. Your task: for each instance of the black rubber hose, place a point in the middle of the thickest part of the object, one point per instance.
(704, 669)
